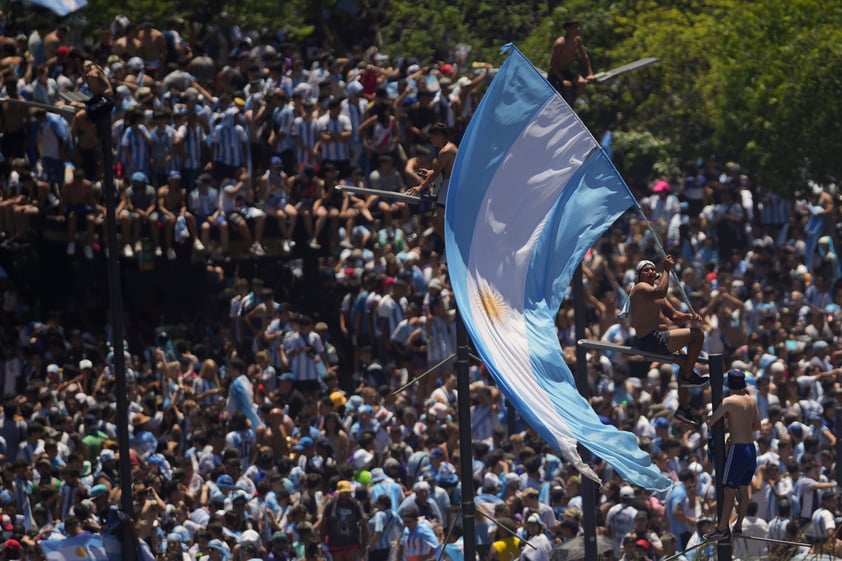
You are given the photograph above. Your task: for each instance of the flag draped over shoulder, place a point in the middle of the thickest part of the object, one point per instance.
(530, 192)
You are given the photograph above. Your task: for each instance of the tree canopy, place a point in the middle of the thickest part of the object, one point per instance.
(754, 82)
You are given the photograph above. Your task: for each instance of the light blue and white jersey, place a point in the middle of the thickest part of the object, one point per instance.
(192, 139)
(390, 526)
(163, 144)
(244, 442)
(307, 133)
(419, 542)
(334, 150)
(356, 113)
(392, 311)
(441, 339)
(283, 120)
(228, 139)
(203, 205)
(67, 496)
(302, 365)
(135, 146)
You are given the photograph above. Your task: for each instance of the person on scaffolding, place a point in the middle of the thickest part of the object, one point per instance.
(740, 409)
(654, 319)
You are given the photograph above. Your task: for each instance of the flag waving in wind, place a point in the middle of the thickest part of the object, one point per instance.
(530, 193)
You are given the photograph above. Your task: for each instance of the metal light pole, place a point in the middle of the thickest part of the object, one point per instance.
(99, 110)
(588, 487)
(465, 444)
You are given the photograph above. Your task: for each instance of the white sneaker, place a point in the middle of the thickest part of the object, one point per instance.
(158, 251)
(89, 252)
(138, 246)
(71, 248)
(198, 245)
(170, 254)
(257, 249)
(291, 243)
(127, 251)
(314, 244)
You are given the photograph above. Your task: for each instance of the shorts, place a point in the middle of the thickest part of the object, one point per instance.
(80, 211)
(441, 196)
(655, 342)
(276, 202)
(740, 464)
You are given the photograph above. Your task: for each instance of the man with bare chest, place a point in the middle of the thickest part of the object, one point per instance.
(172, 204)
(740, 411)
(78, 204)
(652, 316)
(442, 168)
(153, 47)
(86, 141)
(568, 83)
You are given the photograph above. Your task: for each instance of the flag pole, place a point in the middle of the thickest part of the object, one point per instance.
(588, 486)
(466, 463)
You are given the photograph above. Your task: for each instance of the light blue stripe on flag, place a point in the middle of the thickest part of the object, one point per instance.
(61, 7)
(530, 193)
(90, 547)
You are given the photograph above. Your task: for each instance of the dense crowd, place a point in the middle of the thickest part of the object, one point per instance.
(280, 435)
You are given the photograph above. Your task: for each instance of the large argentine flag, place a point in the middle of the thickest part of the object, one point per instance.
(90, 547)
(530, 192)
(61, 7)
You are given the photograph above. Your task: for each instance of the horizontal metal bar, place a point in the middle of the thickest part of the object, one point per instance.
(626, 350)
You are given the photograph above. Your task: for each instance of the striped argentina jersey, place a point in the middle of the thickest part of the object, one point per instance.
(334, 150)
(302, 365)
(392, 311)
(191, 139)
(135, 146)
(356, 113)
(243, 442)
(390, 526)
(307, 133)
(163, 144)
(201, 205)
(229, 140)
(441, 339)
(283, 120)
(420, 542)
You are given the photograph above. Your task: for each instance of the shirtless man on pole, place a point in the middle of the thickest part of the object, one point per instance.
(568, 83)
(651, 316)
(442, 167)
(740, 410)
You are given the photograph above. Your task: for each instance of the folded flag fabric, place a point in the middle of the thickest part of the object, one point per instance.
(89, 547)
(61, 7)
(531, 191)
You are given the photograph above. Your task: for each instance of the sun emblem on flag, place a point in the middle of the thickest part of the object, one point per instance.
(492, 302)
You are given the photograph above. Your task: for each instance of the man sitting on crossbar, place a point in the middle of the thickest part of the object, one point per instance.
(652, 317)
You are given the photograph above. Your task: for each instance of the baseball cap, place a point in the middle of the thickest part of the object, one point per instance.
(661, 186)
(225, 480)
(304, 443)
(98, 490)
(626, 492)
(533, 518)
(736, 379)
(85, 363)
(53, 369)
(275, 161)
(139, 177)
(338, 398)
(344, 486)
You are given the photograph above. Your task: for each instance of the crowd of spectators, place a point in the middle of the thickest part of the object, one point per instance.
(280, 435)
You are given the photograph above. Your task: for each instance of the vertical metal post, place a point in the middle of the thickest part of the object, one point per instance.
(588, 486)
(103, 123)
(717, 380)
(466, 470)
(837, 427)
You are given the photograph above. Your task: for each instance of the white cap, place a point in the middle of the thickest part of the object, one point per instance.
(85, 363)
(53, 369)
(626, 492)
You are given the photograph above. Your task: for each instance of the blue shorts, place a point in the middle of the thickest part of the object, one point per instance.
(740, 464)
(655, 342)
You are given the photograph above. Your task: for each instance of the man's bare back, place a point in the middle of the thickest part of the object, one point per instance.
(740, 411)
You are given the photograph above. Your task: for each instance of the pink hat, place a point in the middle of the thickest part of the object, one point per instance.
(661, 186)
